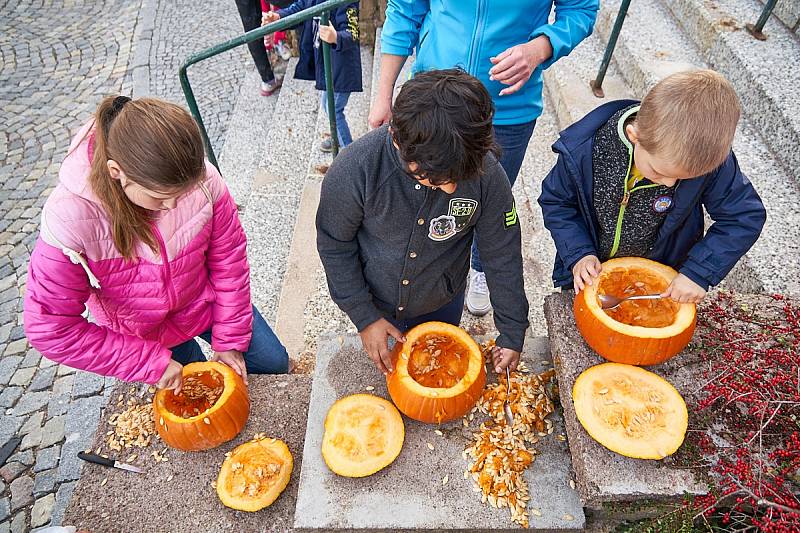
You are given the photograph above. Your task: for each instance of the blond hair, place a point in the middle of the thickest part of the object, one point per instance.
(689, 119)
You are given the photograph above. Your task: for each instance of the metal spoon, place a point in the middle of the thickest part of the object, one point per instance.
(506, 405)
(608, 301)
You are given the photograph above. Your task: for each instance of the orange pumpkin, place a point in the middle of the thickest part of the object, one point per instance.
(212, 408)
(438, 373)
(254, 474)
(630, 411)
(643, 332)
(363, 434)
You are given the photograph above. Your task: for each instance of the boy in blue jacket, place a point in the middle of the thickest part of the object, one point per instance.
(632, 180)
(342, 34)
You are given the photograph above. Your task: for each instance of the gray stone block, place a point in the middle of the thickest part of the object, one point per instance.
(45, 482)
(8, 365)
(21, 492)
(62, 499)
(20, 522)
(87, 384)
(5, 509)
(22, 377)
(42, 510)
(9, 395)
(9, 425)
(80, 425)
(53, 431)
(43, 379)
(30, 402)
(47, 458)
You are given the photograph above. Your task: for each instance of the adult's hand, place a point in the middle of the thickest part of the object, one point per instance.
(516, 64)
(380, 113)
(374, 339)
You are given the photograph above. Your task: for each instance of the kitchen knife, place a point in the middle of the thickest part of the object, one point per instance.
(97, 459)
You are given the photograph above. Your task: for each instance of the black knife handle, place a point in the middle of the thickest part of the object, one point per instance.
(94, 458)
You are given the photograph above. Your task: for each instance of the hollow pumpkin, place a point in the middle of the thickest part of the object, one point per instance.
(630, 410)
(254, 474)
(643, 332)
(438, 373)
(212, 408)
(363, 434)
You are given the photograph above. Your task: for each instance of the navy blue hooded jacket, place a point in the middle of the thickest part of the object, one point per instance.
(726, 193)
(345, 54)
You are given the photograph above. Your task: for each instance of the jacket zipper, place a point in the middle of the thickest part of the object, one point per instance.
(475, 36)
(167, 272)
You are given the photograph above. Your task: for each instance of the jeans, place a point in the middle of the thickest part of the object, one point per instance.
(450, 313)
(250, 13)
(513, 139)
(265, 355)
(339, 103)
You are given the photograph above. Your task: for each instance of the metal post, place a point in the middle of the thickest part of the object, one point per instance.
(192, 102)
(328, 66)
(755, 31)
(597, 83)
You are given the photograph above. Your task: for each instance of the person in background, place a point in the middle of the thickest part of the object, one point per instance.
(250, 13)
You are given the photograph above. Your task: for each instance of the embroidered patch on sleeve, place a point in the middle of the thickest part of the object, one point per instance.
(510, 217)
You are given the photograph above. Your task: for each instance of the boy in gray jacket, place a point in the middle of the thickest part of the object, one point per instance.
(398, 211)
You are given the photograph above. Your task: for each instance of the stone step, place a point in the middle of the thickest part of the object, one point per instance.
(788, 12)
(409, 494)
(644, 62)
(765, 73)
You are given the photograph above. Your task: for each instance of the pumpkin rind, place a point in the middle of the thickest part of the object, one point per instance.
(249, 469)
(363, 434)
(630, 410)
(623, 343)
(434, 405)
(212, 427)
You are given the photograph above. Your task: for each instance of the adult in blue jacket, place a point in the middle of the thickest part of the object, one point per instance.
(730, 199)
(504, 43)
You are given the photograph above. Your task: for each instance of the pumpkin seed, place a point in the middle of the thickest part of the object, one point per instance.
(603, 391)
(445, 479)
(438, 432)
(206, 421)
(568, 517)
(536, 512)
(572, 484)
(430, 446)
(105, 480)
(369, 387)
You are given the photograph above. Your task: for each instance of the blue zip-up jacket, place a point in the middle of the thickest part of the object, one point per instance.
(466, 33)
(726, 193)
(345, 54)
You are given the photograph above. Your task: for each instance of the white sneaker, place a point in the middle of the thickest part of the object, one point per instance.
(478, 295)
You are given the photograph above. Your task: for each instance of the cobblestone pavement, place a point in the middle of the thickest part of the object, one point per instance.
(58, 59)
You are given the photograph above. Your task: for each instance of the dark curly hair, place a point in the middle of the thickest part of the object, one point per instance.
(442, 121)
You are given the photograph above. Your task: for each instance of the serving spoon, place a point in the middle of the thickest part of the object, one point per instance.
(607, 301)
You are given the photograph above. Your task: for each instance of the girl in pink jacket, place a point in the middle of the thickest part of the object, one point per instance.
(143, 231)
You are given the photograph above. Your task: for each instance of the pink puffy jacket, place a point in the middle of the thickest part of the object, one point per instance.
(200, 277)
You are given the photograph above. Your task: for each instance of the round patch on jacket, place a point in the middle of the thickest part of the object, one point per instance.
(662, 204)
(442, 228)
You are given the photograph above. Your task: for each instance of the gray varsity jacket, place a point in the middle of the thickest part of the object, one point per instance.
(393, 247)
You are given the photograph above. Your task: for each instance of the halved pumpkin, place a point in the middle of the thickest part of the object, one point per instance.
(363, 434)
(630, 411)
(254, 474)
(639, 332)
(212, 407)
(438, 373)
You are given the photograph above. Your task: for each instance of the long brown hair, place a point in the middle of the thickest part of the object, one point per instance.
(157, 145)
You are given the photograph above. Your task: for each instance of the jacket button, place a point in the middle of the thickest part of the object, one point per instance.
(400, 308)
(406, 282)
(413, 255)
(421, 221)
(418, 186)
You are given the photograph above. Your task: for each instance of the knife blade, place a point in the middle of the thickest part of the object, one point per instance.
(97, 459)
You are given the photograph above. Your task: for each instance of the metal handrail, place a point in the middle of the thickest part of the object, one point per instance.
(322, 9)
(597, 83)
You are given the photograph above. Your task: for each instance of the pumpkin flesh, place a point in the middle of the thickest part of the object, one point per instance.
(630, 411)
(254, 474)
(644, 332)
(438, 373)
(212, 408)
(363, 434)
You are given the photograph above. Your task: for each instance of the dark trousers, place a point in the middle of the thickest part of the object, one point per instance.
(250, 13)
(513, 139)
(450, 313)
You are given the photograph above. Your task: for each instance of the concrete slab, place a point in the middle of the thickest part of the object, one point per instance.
(177, 495)
(602, 475)
(409, 495)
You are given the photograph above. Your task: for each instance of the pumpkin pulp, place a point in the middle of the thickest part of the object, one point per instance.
(438, 361)
(253, 473)
(633, 281)
(199, 393)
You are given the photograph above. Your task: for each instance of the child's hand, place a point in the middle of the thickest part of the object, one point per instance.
(374, 339)
(504, 357)
(172, 378)
(684, 290)
(233, 359)
(585, 271)
(269, 16)
(327, 33)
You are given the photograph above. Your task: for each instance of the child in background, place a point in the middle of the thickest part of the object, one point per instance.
(398, 211)
(276, 41)
(142, 228)
(632, 180)
(343, 36)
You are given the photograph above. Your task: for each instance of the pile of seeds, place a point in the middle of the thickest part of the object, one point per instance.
(499, 453)
(197, 396)
(133, 427)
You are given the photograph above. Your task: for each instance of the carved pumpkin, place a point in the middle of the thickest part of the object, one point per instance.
(643, 332)
(630, 411)
(363, 434)
(438, 373)
(254, 474)
(212, 408)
